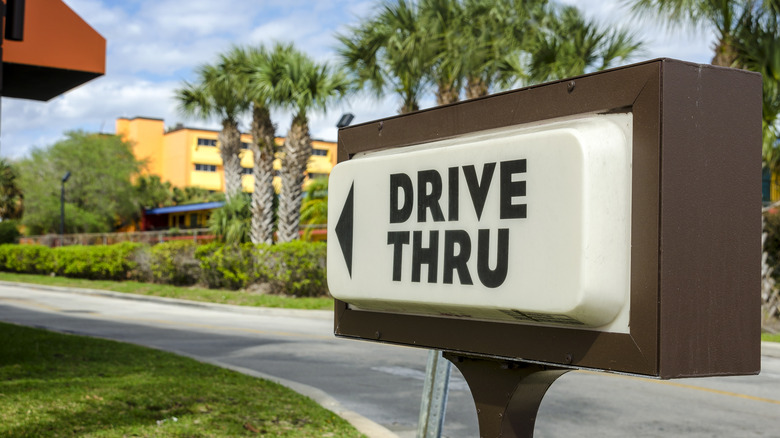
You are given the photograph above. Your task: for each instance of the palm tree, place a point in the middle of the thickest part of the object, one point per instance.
(261, 73)
(391, 52)
(309, 86)
(570, 45)
(217, 94)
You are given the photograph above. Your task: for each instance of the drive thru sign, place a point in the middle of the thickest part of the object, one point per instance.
(471, 232)
(610, 221)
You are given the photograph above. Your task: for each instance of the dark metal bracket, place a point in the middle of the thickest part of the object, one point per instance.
(507, 394)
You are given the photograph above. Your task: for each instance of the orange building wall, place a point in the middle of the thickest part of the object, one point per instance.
(173, 155)
(146, 136)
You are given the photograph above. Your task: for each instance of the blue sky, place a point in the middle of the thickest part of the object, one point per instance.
(153, 45)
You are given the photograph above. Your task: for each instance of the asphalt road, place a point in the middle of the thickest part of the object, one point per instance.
(374, 384)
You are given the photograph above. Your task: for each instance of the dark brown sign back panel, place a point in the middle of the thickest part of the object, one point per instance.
(696, 224)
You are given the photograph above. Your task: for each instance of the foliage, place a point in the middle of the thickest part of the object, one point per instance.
(231, 222)
(151, 192)
(228, 266)
(572, 45)
(174, 263)
(9, 231)
(110, 262)
(11, 198)
(292, 269)
(195, 195)
(314, 209)
(297, 268)
(99, 194)
(58, 385)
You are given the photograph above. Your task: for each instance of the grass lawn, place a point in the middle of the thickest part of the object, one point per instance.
(767, 337)
(55, 385)
(186, 293)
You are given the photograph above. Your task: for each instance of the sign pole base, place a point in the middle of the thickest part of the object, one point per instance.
(507, 394)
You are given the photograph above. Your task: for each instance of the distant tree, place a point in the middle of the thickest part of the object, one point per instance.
(99, 195)
(11, 205)
(151, 192)
(195, 195)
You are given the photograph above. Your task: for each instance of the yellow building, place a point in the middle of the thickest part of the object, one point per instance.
(188, 157)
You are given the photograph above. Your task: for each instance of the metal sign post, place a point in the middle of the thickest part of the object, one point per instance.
(607, 222)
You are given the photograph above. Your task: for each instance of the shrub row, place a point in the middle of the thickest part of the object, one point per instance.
(296, 268)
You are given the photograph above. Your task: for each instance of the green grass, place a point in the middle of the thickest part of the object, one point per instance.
(768, 337)
(55, 385)
(240, 298)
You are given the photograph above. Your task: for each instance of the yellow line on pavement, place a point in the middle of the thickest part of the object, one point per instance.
(686, 386)
(31, 303)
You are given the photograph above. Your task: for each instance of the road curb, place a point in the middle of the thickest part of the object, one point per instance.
(270, 311)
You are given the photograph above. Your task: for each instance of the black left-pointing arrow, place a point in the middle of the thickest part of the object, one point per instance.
(344, 228)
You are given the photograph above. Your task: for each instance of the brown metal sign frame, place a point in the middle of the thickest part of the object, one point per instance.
(695, 221)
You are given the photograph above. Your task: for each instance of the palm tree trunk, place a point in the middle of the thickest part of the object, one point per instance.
(229, 149)
(476, 87)
(447, 93)
(297, 150)
(262, 227)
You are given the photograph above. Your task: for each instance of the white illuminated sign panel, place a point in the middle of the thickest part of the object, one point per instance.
(528, 224)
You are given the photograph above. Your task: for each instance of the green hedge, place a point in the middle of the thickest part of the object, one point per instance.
(296, 269)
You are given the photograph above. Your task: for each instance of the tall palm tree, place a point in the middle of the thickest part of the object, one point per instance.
(261, 72)
(390, 51)
(309, 87)
(571, 45)
(216, 93)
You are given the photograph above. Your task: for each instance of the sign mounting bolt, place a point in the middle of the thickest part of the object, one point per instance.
(570, 86)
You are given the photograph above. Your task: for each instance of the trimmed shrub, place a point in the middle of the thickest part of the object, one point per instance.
(296, 268)
(26, 259)
(175, 263)
(227, 266)
(111, 262)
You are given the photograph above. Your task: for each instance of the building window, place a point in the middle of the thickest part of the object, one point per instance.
(206, 142)
(205, 167)
(319, 152)
(317, 175)
(246, 171)
(244, 145)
